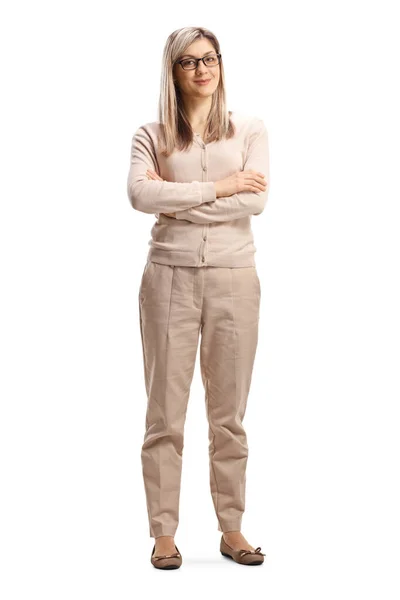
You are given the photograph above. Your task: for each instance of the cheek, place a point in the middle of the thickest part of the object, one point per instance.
(181, 80)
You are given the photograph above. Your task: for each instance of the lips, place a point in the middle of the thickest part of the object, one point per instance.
(202, 81)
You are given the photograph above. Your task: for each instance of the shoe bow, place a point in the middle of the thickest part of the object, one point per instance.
(176, 555)
(256, 551)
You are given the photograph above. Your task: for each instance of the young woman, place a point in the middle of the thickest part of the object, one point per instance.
(203, 171)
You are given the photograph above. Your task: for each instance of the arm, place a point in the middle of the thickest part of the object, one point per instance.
(151, 196)
(239, 205)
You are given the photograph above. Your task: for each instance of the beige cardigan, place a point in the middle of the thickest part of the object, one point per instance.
(207, 231)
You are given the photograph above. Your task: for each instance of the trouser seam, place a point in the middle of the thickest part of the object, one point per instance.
(213, 445)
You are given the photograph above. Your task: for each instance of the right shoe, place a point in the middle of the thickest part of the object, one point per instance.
(166, 561)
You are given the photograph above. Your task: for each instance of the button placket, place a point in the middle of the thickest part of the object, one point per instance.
(204, 178)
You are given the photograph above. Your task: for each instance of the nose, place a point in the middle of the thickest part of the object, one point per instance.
(201, 70)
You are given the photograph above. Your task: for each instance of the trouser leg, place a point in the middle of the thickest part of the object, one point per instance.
(228, 346)
(170, 325)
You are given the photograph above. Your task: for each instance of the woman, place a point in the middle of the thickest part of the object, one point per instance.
(203, 171)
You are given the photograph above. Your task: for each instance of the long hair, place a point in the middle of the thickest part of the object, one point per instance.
(175, 129)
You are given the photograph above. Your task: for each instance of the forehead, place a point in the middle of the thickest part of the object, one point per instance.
(199, 49)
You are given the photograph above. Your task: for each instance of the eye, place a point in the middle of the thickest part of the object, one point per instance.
(188, 62)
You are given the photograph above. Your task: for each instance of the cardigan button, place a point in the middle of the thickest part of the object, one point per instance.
(203, 258)
(204, 168)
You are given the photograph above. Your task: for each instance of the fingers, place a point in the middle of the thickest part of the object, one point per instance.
(153, 175)
(255, 182)
(255, 173)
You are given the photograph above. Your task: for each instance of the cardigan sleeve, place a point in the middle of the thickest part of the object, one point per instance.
(152, 196)
(242, 204)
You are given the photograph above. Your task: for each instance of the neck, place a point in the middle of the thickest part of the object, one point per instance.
(197, 110)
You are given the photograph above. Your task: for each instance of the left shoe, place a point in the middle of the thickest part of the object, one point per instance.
(167, 561)
(243, 557)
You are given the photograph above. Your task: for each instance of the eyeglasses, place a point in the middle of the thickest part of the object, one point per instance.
(211, 60)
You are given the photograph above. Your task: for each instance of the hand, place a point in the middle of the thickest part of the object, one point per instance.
(241, 181)
(153, 175)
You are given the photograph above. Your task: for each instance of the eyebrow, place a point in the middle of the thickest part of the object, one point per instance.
(191, 55)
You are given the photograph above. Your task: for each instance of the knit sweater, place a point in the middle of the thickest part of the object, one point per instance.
(207, 231)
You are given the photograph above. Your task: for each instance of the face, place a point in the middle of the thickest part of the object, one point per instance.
(187, 80)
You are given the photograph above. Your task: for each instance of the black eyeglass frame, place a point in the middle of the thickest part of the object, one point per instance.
(218, 54)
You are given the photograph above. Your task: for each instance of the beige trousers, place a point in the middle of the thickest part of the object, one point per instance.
(176, 304)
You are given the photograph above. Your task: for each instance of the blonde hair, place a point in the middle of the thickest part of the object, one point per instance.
(175, 129)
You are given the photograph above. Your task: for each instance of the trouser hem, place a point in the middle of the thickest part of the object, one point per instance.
(158, 532)
(226, 526)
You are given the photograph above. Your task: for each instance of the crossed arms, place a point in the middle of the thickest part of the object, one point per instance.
(195, 201)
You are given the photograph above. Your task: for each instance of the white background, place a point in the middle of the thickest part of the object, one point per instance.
(322, 421)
